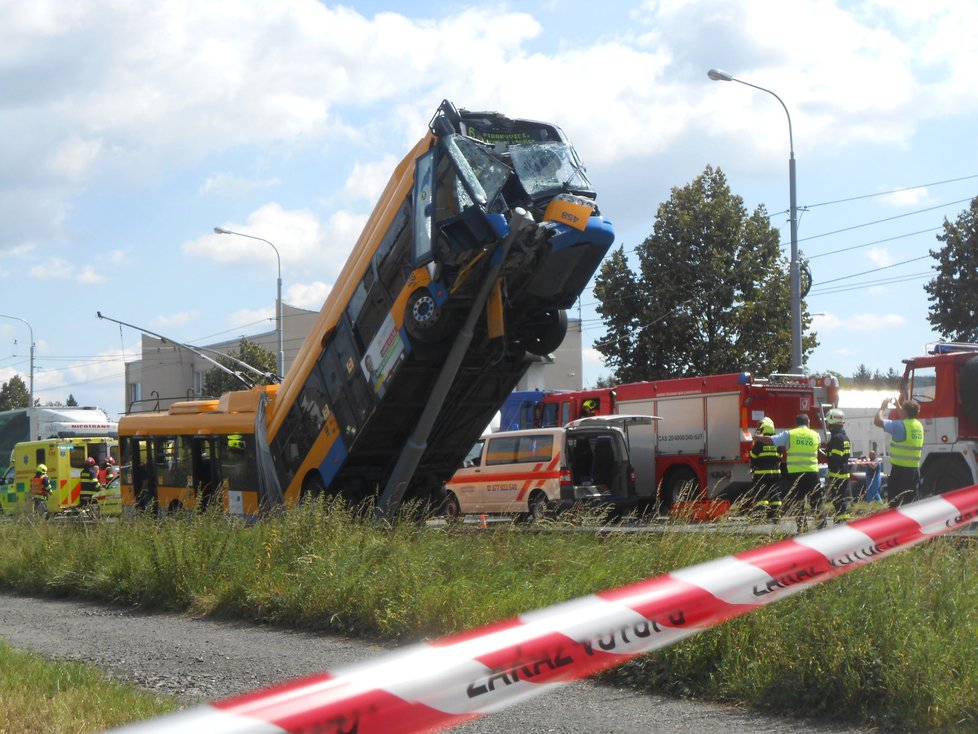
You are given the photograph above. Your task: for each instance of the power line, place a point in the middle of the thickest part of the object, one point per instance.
(874, 270)
(892, 191)
(870, 284)
(880, 221)
(874, 242)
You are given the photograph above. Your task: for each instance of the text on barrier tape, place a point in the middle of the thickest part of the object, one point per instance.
(435, 685)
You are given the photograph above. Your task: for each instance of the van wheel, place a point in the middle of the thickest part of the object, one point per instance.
(539, 507)
(451, 509)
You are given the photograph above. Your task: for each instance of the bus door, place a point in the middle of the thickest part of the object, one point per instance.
(143, 473)
(206, 469)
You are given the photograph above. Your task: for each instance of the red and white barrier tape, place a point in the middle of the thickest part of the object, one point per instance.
(433, 686)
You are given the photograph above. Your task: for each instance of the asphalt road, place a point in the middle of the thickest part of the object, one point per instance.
(199, 660)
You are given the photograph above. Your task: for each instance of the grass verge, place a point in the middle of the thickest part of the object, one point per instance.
(40, 696)
(890, 644)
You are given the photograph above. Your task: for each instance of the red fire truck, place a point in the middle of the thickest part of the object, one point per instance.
(694, 461)
(945, 383)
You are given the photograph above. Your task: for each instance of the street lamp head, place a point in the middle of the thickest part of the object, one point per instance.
(218, 230)
(718, 75)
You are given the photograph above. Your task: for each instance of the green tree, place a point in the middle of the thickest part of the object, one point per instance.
(605, 381)
(953, 293)
(894, 378)
(14, 394)
(217, 381)
(71, 403)
(862, 376)
(712, 294)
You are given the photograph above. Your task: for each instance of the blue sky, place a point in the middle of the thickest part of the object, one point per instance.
(131, 130)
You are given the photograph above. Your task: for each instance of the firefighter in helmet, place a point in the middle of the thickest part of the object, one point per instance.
(588, 407)
(40, 482)
(803, 486)
(839, 453)
(89, 480)
(765, 466)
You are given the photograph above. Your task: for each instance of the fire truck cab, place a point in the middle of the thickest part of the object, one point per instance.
(945, 383)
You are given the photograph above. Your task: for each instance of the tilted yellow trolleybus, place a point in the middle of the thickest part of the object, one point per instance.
(487, 230)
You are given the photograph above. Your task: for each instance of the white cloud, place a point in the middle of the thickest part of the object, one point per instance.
(228, 184)
(592, 356)
(310, 296)
(868, 321)
(861, 322)
(907, 197)
(304, 243)
(367, 180)
(181, 318)
(879, 256)
(57, 268)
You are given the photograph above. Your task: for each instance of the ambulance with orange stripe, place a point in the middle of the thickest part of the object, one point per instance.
(64, 459)
(541, 471)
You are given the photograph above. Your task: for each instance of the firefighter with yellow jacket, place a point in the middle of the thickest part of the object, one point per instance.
(801, 445)
(765, 467)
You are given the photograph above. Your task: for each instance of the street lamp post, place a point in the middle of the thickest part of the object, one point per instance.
(795, 269)
(278, 295)
(30, 403)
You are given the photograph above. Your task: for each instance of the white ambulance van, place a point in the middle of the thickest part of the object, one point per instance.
(538, 472)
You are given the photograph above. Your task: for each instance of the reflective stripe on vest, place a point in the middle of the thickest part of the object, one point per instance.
(802, 450)
(842, 455)
(908, 452)
(765, 459)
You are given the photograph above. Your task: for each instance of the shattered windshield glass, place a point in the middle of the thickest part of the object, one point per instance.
(483, 175)
(548, 166)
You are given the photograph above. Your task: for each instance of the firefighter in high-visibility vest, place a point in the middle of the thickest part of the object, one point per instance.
(906, 448)
(765, 466)
(839, 452)
(40, 482)
(801, 445)
(89, 480)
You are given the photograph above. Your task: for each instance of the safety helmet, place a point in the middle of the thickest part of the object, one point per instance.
(236, 441)
(766, 426)
(835, 417)
(42, 468)
(590, 403)
(90, 461)
(110, 460)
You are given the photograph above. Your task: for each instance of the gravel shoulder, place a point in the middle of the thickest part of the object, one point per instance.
(199, 660)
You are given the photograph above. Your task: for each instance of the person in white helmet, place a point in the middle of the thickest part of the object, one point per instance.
(839, 450)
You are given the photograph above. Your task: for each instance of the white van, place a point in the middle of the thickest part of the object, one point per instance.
(536, 472)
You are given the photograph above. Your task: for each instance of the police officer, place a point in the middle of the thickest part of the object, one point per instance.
(801, 445)
(839, 453)
(906, 448)
(765, 466)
